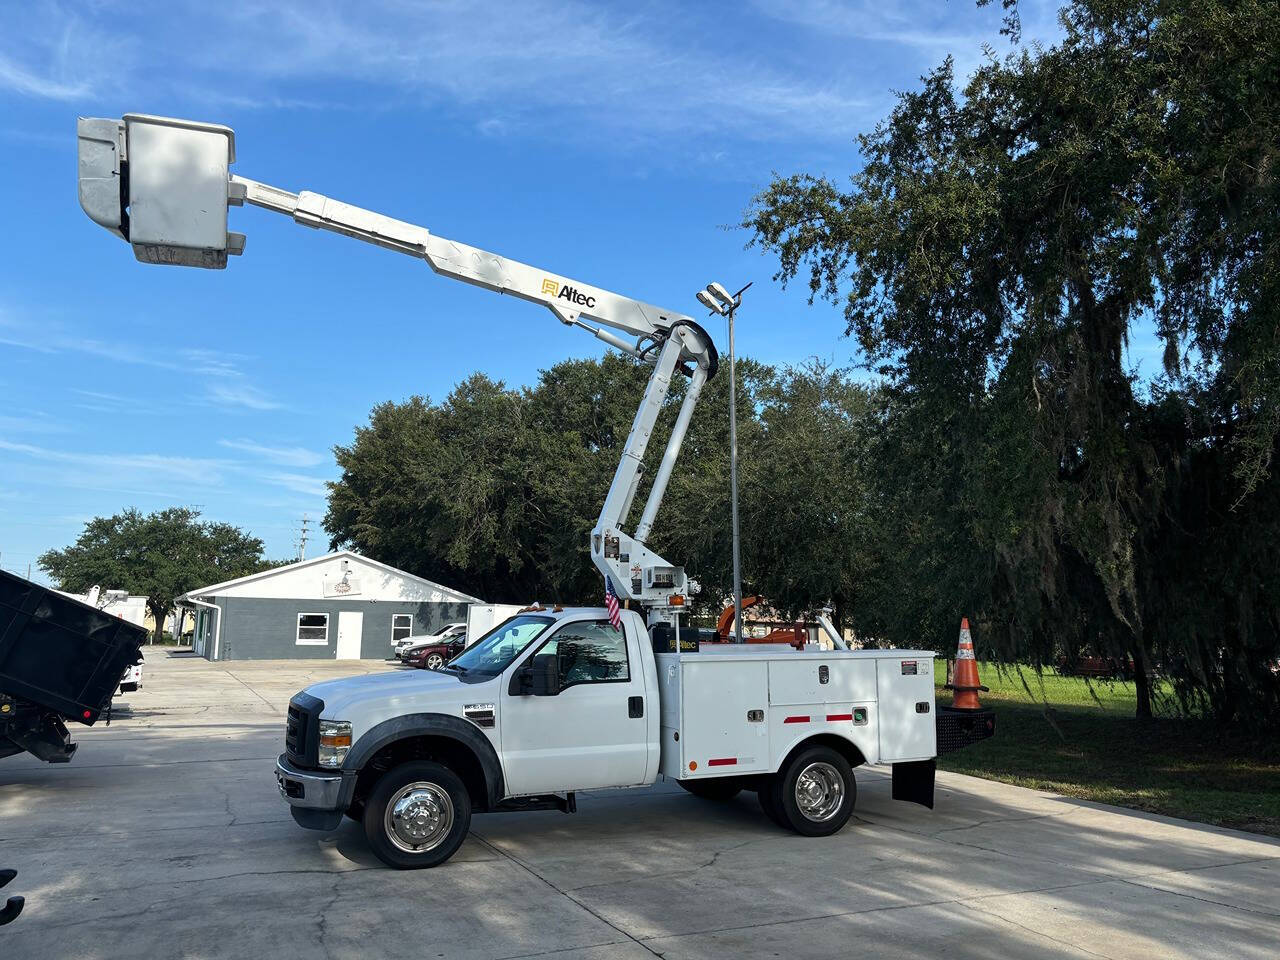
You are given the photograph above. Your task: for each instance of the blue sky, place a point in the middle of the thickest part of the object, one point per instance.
(614, 142)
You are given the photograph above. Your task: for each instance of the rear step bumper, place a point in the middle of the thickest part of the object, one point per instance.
(958, 729)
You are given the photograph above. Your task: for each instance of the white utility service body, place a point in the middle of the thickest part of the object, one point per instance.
(742, 708)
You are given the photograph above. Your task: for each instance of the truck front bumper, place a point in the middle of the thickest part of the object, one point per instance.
(317, 799)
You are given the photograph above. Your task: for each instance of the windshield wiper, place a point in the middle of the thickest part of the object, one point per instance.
(451, 666)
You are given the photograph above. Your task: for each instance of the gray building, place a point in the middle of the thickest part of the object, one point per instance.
(337, 607)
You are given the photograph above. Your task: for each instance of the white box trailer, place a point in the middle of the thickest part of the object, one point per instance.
(483, 617)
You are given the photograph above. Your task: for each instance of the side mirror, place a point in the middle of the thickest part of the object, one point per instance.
(538, 677)
(546, 675)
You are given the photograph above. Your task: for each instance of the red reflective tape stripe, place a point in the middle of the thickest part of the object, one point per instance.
(723, 762)
(839, 716)
(796, 720)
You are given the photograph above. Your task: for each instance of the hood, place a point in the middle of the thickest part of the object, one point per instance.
(402, 689)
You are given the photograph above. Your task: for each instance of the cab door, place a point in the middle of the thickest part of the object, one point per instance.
(592, 732)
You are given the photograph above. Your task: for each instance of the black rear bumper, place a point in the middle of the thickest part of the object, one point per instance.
(958, 729)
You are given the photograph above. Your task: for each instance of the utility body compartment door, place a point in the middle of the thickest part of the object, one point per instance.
(904, 682)
(718, 732)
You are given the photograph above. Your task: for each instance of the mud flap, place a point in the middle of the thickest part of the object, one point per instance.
(13, 906)
(314, 819)
(913, 782)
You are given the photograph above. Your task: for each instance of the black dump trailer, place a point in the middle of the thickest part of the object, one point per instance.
(60, 660)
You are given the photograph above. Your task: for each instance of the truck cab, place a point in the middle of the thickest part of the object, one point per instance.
(550, 702)
(556, 701)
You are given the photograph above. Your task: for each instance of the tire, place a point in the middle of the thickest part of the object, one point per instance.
(765, 796)
(438, 795)
(434, 661)
(815, 794)
(721, 788)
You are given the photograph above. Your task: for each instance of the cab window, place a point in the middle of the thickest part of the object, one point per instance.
(589, 652)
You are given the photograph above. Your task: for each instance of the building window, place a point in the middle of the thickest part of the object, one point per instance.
(401, 626)
(313, 629)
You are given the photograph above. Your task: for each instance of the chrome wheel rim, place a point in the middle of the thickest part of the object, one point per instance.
(819, 791)
(419, 816)
(435, 661)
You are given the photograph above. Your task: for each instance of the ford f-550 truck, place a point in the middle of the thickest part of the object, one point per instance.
(553, 702)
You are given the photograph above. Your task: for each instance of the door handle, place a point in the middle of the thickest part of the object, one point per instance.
(635, 707)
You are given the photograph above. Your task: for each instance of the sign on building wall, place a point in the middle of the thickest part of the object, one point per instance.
(343, 586)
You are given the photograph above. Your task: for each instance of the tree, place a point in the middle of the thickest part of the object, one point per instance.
(159, 555)
(805, 502)
(495, 491)
(994, 256)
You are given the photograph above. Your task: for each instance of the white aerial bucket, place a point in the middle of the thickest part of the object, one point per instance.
(162, 185)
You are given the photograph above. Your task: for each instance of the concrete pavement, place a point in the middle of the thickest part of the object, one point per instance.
(165, 837)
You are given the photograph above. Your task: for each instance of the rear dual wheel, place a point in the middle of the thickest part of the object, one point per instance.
(814, 795)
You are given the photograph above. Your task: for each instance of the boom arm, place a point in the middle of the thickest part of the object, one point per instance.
(164, 186)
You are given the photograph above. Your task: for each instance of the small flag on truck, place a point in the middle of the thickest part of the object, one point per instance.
(611, 602)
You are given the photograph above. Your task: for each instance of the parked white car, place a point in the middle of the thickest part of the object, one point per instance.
(131, 679)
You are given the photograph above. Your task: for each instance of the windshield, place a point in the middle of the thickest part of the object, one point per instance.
(489, 655)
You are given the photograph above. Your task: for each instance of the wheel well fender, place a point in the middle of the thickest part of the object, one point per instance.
(452, 741)
(842, 745)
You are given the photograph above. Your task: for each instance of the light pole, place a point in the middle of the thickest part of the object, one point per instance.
(718, 300)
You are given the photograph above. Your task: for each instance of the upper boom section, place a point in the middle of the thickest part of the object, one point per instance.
(164, 186)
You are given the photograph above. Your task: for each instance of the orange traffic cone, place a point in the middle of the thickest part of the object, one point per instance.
(965, 680)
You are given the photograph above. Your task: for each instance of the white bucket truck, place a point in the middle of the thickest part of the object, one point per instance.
(549, 702)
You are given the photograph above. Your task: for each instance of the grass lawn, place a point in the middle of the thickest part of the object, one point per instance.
(1182, 768)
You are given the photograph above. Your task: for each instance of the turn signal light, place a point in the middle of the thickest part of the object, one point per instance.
(677, 599)
(693, 764)
(336, 739)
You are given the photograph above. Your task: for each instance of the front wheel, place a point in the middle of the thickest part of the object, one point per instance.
(815, 793)
(435, 661)
(417, 815)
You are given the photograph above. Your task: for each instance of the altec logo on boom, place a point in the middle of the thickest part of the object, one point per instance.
(572, 294)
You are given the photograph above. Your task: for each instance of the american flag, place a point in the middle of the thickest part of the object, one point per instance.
(611, 602)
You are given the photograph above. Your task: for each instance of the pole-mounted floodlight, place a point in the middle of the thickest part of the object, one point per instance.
(721, 294)
(706, 300)
(718, 300)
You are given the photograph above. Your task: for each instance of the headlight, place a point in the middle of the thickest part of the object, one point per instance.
(335, 741)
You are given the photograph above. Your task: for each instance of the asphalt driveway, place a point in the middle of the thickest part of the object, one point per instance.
(165, 837)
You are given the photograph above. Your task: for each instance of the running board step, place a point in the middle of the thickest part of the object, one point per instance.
(550, 801)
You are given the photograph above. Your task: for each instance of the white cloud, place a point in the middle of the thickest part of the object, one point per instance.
(20, 80)
(234, 392)
(225, 382)
(611, 75)
(298, 483)
(101, 466)
(31, 422)
(285, 456)
(52, 51)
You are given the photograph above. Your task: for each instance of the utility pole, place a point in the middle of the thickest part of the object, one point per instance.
(302, 539)
(718, 300)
